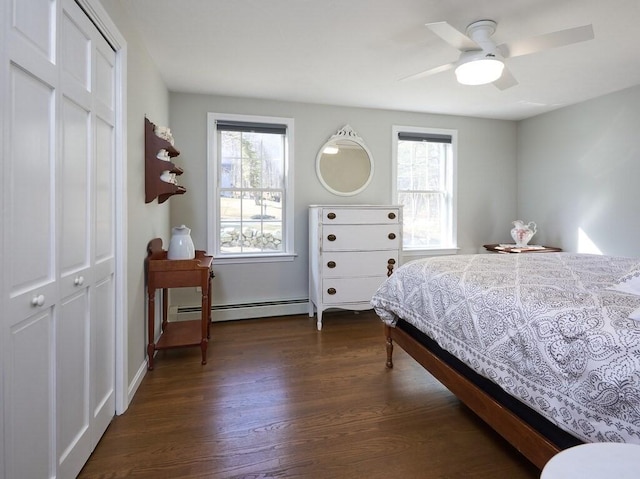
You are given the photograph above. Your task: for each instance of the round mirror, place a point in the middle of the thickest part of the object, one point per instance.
(344, 164)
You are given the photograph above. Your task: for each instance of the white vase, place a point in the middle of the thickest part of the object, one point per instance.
(181, 244)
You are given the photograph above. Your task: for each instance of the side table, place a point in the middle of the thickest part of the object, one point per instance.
(165, 273)
(504, 248)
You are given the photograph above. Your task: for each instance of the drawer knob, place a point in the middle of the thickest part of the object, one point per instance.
(390, 264)
(392, 236)
(331, 291)
(331, 264)
(392, 216)
(37, 300)
(331, 216)
(331, 237)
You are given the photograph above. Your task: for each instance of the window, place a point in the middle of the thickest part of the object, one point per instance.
(250, 196)
(424, 183)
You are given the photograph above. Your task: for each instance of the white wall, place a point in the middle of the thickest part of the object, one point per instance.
(578, 171)
(146, 96)
(486, 181)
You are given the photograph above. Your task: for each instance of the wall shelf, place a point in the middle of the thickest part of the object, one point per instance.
(154, 166)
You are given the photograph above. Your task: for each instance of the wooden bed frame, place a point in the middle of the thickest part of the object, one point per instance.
(534, 445)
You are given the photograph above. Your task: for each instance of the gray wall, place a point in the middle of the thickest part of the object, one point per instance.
(578, 173)
(146, 96)
(486, 181)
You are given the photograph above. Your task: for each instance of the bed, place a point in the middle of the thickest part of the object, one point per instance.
(543, 347)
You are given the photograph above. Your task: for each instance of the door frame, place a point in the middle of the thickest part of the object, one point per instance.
(98, 15)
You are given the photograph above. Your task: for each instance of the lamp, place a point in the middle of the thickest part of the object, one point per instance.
(478, 68)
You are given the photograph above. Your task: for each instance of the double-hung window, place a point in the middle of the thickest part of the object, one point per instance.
(424, 183)
(250, 194)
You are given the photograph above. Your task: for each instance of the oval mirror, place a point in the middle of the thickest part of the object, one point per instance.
(344, 163)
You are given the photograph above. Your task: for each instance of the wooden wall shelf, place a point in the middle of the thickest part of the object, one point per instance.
(154, 186)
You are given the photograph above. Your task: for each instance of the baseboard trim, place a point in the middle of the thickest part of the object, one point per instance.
(137, 380)
(229, 312)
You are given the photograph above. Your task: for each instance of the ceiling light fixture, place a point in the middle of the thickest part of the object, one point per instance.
(479, 68)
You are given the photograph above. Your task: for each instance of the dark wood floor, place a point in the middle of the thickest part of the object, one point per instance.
(280, 399)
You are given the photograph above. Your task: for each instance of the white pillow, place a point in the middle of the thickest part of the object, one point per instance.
(635, 314)
(629, 283)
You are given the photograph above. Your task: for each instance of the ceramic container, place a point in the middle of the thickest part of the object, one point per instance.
(181, 244)
(522, 233)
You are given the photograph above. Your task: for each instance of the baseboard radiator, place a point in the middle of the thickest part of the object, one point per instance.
(228, 312)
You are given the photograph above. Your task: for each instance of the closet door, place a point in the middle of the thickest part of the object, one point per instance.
(103, 259)
(85, 323)
(57, 327)
(29, 229)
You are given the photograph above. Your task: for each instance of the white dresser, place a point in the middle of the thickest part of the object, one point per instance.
(352, 249)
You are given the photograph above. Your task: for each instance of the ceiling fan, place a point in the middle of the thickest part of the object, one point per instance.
(482, 61)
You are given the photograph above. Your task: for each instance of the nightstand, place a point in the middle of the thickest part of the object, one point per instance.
(163, 273)
(508, 248)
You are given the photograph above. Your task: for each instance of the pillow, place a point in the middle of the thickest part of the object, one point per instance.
(628, 283)
(635, 314)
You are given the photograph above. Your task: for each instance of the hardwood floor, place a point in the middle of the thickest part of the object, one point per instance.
(280, 399)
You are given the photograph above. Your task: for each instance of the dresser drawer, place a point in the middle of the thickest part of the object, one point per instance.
(357, 216)
(360, 237)
(350, 290)
(357, 263)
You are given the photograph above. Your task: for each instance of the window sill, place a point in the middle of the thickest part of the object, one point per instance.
(419, 253)
(248, 258)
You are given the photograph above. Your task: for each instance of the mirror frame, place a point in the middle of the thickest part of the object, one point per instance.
(345, 133)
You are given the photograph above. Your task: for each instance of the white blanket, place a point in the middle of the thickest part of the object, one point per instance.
(543, 326)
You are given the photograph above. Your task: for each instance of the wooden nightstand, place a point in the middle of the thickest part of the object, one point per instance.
(503, 248)
(171, 273)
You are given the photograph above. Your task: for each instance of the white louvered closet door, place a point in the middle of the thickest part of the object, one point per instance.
(58, 239)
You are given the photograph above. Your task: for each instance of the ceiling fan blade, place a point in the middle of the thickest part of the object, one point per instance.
(432, 71)
(506, 80)
(452, 36)
(544, 42)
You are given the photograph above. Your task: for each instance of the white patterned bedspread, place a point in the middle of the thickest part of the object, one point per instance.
(543, 326)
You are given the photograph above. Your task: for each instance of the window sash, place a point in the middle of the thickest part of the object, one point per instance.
(425, 219)
(249, 205)
(424, 184)
(249, 228)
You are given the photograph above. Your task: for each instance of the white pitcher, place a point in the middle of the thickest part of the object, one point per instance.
(181, 245)
(522, 233)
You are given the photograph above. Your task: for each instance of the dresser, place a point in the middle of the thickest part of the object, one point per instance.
(352, 249)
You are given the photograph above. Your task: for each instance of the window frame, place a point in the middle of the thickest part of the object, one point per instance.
(451, 171)
(213, 198)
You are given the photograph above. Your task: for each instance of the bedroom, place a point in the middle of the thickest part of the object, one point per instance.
(566, 169)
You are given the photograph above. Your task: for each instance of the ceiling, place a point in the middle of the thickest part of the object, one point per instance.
(353, 52)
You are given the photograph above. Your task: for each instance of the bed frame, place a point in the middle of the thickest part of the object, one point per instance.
(526, 430)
